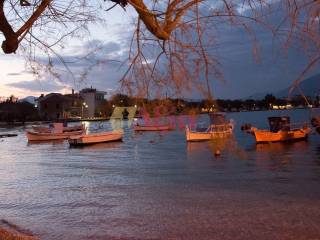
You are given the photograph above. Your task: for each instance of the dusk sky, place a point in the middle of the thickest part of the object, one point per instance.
(244, 76)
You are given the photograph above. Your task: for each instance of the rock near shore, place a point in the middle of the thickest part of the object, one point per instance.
(9, 231)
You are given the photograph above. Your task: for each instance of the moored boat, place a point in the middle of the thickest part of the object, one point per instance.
(64, 129)
(280, 136)
(315, 122)
(47, 136)
(219, 128)
(281, 130)
(93, 138)
(212, 132)
(165, 127)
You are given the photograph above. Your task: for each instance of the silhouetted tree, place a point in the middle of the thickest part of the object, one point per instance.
(269, 99)
(121, 100)
(174, 35)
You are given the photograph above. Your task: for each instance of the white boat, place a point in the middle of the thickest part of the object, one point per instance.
(46, 136)
(57, 125)
(212, 132)
(93, 138)
(219, 128)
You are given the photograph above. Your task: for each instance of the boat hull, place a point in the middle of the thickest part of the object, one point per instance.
(64, 129)
(38, 136)
(214, 133)
(262, 136)
(89, 139)
(153, 128)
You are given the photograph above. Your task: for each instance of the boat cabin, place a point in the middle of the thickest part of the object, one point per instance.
(217, 118)
(279, 123)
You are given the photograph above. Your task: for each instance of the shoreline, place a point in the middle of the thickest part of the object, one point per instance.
(10, 231)
(41, 122)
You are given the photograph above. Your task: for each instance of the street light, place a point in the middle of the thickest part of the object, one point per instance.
(84, 104)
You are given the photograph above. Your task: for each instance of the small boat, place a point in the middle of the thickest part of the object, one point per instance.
(219, 128)
(212, 132)
(57, 125)
(280, 131)
(54, 135)
(94, 138)
(165, 127)
(5, 135)
(315, 122)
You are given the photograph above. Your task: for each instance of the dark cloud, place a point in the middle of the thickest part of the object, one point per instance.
(90, 53)
(14, 74)
(99, 68)
(20, 73)
(38, 86)
(106, 47)
(27, 72)
(272, 68)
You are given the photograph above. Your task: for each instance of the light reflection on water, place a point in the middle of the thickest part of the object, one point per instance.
(157, 186)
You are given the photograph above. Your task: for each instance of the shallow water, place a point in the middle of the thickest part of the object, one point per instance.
(157, 186)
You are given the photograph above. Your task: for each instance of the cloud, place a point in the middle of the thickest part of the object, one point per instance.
(95, 69)
(19, 73)
(99, 68)
(95, 52)
(97, 62)
(38, 86)
(277, 67)
(14, 74)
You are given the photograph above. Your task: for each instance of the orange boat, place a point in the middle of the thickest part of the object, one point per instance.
(55, 133)
(43, 136)
(93, 138)
(281, 131)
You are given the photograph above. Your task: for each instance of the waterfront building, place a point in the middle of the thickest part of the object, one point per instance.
(94, 102)
(55, 106)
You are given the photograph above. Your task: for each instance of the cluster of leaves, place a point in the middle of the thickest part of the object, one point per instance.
(169, 51)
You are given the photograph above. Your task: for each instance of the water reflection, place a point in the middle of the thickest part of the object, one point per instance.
(228, 145)
(157, 186)
(47, 142)
(317, 159)
(280, 155)
(98, 146)
(281, 147)
(117, 124)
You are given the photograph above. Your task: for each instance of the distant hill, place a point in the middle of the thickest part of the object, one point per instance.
(309, 86)
(29, 99)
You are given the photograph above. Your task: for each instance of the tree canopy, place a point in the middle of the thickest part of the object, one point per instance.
(170, 45)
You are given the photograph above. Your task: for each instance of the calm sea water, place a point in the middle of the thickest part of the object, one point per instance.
(157, 186)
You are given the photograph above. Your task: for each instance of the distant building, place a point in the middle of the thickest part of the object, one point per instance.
(55, 106)
(88, 103)
(281, 107)
(94, 102)
(73, 105)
